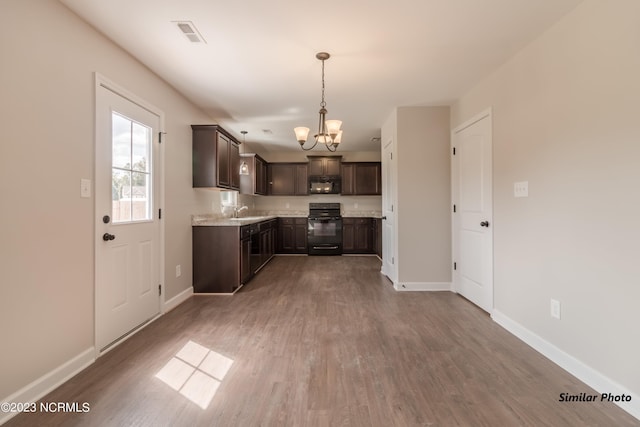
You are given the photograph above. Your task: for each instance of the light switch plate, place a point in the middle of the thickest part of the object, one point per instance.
(555, 309)
(178, 270)
(521, 189)
(85, 187)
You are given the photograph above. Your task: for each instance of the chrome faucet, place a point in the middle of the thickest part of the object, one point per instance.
(236, 210)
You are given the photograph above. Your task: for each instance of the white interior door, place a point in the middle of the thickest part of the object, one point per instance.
(473, 219)
(388, 211)
(127, 224)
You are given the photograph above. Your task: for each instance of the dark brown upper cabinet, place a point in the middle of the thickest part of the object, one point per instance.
(256, 182)
(287, 179)
(361, 178)
(324, 165)
(216, 158)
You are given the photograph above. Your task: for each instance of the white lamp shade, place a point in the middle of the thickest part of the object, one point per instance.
(301, 133)
(324, 139)
(338, 138)
(244, 168)
(333, 127)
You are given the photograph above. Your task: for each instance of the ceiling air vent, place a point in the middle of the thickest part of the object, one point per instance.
(190, 31)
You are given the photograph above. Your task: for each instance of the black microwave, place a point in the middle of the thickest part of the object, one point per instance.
(325, 184)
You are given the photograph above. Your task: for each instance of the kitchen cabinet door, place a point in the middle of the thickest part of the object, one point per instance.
(215, 157)
(361, 179)
(368, 179)
(324, 165)
(260, 176)
(348, 235)
(292, 236)
(256, 181)
(217, 258)
(287, 179)
(357, 235)
(282, 179)
(302, 180)
(300, 234)
(234, 165)
(245, 261)
(363, 235)
(377, 236)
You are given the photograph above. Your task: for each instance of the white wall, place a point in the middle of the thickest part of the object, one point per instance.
(47, 100)
(423, 197)
(566, 119)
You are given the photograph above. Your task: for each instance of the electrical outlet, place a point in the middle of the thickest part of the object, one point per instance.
(521, 189)
(178, 270)
(555, 309)
(85, 187)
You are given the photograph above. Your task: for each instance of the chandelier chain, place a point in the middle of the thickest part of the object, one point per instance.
(323, 104)
(329, 132)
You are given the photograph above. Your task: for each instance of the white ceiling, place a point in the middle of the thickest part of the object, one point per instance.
(257, 70)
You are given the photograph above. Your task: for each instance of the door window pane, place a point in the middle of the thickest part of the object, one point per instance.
(131, 171)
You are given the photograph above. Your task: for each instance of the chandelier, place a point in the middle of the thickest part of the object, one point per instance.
(329, 132)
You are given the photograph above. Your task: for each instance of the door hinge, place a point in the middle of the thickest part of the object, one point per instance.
(160, 289)
(160, 137)
(455, 266)
(393, 260)
(454, 151)
(159, 213)
(454, 208)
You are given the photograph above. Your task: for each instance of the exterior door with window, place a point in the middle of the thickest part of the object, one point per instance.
(127, 224)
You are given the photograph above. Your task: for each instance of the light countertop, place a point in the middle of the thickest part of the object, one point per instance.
(252, 218)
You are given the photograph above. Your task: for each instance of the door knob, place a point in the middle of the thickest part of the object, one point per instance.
(484, 224)
(384, 217)
(106, 237)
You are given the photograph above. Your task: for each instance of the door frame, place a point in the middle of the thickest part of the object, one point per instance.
(102, 81)
(389, 198)
(455, 286)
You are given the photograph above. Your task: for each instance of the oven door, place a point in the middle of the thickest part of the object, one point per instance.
(324, 236)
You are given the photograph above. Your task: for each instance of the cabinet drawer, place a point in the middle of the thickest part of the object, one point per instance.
(292, 221)
(267, 225)
(356, 221)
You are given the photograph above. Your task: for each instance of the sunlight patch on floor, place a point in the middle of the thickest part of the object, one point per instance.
(195, 372)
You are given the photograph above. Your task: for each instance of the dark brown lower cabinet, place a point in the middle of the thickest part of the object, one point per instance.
(245, 260)
(357, 236)
(377, 236)
(227, 257)
(292, 236)
(267, 240)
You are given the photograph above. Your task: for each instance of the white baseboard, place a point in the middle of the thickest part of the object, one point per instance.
(575, 367)
(178, 299)
(48, 382)
(422, 286)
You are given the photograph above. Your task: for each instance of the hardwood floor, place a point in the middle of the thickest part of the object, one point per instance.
(325, 341)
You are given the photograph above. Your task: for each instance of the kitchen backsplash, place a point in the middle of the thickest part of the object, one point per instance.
(349, 204)
(292, 205)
